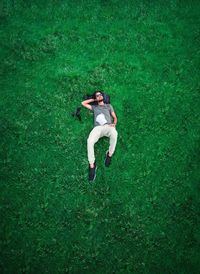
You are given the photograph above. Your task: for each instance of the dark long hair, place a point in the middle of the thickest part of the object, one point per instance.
(94, 94)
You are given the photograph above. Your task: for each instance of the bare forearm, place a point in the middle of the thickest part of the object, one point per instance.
(115, 120)
(88, 101)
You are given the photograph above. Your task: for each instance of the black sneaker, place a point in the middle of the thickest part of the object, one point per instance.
(92, 172)
(107, 159)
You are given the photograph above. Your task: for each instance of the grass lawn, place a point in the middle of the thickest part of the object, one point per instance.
(140, 215)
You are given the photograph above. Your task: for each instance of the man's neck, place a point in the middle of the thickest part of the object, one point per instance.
(101, 103)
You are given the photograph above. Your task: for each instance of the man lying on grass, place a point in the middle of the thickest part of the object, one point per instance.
(105, 121)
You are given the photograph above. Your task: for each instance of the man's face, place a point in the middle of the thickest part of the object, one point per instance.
(99, 97)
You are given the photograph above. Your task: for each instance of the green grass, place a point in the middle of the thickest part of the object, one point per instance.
(141, 215)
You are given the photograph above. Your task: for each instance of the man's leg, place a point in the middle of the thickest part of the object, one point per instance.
(93, 137)
(112, 134)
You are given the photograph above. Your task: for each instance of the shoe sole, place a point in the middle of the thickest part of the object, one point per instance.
(94, 175)
(107, 166)
(105, 162)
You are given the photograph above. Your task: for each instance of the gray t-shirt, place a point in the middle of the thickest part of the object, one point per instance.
(102, 114)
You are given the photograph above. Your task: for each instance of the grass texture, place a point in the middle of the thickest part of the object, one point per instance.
(142, 214)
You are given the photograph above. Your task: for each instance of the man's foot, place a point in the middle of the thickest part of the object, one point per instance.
(107, 159)
(92, 172)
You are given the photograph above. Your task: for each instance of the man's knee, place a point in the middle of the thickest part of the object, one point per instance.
(91, 140)
(114, 134)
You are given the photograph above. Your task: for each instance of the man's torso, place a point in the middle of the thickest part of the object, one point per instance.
(102, 114)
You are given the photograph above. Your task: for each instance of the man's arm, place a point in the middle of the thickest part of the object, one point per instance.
(86, 103)
(114, 117)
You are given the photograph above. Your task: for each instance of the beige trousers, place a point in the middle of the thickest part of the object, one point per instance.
(96, 133)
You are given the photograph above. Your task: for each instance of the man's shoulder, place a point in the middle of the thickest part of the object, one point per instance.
(109, 106)
(105, 105)
(94, 106)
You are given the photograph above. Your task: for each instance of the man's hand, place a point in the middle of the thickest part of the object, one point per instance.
(86, 103)
(112, 125)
